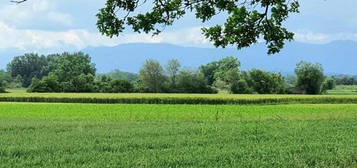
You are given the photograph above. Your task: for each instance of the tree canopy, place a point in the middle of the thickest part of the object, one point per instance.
(246, 21)
(310, 77)
(27, 67)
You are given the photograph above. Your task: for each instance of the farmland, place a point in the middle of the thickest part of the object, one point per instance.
(344, 90)
(145, 98)
(137, 93)
(153, 135)
(177, 130)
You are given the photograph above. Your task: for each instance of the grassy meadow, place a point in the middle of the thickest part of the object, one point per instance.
(344, 90)
(134, 135)
(177, 130)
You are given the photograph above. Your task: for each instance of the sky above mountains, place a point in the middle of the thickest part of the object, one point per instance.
(69, 25)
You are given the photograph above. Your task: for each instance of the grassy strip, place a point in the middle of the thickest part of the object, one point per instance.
(177, 98)
(146, 112)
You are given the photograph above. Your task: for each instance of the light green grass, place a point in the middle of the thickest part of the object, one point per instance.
(145, 112)
(16, 90)
(94, 135)
(344, 90)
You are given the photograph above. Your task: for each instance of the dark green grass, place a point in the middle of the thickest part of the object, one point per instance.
(76, 135)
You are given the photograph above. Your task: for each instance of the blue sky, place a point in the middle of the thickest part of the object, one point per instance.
(59, 25)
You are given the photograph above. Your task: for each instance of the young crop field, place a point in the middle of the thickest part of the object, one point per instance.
(141, 98)
(344, 90)
(156, 135)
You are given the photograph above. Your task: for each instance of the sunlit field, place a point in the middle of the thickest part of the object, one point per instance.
(178, 84)
(97, 135)
(147, 98)
(344, 90)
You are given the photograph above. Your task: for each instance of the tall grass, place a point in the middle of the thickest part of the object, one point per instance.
(175, 98)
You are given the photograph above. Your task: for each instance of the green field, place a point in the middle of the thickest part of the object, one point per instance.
(344, 90)
(138, 135)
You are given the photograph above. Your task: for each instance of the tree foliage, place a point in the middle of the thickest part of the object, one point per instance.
(152, 75)
(345, 80)
(7, 81)
(246, 21)
(189, 81)
(28, 66)
(219, 70)
(74, 72)
(240, 87)
(310, 77)
(328, 84)
(67, 73)
(266, 82)
(2, 88)
(172, 70)
(68, 67)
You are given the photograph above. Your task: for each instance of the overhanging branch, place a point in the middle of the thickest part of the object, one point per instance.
(18, 1)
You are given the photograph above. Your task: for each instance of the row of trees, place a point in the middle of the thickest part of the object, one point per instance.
(345, 79)
(172, 79)
(75, 73)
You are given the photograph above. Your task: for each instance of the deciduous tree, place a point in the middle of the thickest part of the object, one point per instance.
(152, 76)
(245, 22)
(310, 77)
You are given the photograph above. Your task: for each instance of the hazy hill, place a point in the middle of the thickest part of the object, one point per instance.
(338, 57)
(7, 55)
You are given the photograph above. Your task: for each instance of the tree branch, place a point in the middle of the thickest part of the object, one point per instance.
(18, 1)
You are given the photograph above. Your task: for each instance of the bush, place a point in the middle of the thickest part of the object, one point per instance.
(266, 82)
(139, 87)
(328, 84)
(83, 83)
(218, 70)
(192, 82)
(2, 88)
(121, 86)
(240, 87)
(38, 86)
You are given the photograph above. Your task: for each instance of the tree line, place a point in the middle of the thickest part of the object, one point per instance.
(74, 72)
(345, 79)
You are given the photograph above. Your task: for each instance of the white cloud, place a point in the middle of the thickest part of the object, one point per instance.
(31, 40)
(26, 39)
(185, 37)
(33, 12)
(42, 41)
(323, 38)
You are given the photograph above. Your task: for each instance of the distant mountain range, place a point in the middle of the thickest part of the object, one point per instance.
(339, 57)
(7, 55)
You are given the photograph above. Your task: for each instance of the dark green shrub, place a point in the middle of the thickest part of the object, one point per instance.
(192, 82)
(2, 88)
(264, 82)
(240, 87)
(38, 86)
(121, 86)
(328, 84)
